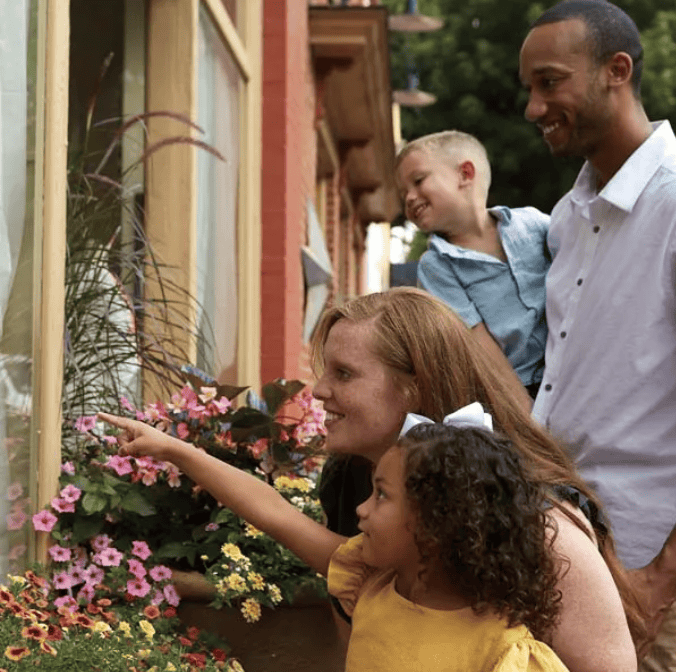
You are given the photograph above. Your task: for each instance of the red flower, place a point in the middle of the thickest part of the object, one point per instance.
(199, 660)
(193, 632)
(185, 641)
(169, 612)
(219, 654)
(151, 612)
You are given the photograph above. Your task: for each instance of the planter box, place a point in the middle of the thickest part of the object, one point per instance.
(302, 637)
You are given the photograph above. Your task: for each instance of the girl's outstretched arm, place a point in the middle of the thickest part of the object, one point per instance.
(249, 497)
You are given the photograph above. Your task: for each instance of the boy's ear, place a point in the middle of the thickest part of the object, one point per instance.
(467, 171)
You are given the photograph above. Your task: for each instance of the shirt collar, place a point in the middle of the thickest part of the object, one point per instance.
(628, 183)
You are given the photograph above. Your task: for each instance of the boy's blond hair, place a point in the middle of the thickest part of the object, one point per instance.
(458, 147)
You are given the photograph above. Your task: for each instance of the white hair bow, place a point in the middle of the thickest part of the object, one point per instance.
(468, 416)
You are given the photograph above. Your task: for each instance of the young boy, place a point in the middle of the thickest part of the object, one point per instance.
(488, 265)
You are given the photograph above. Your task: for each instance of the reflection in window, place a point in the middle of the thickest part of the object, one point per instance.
(18, 36)
(217, 201)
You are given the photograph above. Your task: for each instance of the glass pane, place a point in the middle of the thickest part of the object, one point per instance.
(231, 9)
(217, 201)
(18, 75)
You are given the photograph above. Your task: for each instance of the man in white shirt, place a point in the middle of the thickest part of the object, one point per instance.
(609, 386)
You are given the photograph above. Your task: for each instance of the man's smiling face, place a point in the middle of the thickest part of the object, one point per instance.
(568, 96)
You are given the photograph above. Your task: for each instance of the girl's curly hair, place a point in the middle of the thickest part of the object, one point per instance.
(484, 518)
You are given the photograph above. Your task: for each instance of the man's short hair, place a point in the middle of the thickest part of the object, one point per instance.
(609, 30)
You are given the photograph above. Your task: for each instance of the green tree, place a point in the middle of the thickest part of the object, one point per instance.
(471, 65)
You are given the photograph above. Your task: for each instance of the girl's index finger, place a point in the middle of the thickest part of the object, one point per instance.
(115, 420)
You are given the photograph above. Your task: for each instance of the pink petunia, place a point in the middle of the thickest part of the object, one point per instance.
(70, 493)
(141, 550)
(59, 553)
(126, 404)
(86, 593)
(101, 542)
(62, 581)
(94, 575)
(44, 521)
(136, 568)
(160, 573)
(68, 468)
(110, 557)
(138, 587)
(85, 423)
(14, 491)
(66, 601)
(157, 598)
(77, 574)
(16, 519)
(171, 596)
(120, 465)
(62, 505)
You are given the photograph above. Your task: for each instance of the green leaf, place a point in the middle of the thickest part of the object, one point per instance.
(174, 549)
(280, 391)
(136, 503)
(94, 503)
(86, 528)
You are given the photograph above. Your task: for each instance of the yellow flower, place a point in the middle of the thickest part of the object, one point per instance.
(286, 483)
(256, 580)
(275, 593)
(20, 580)
(147, 628)
(251, 531)
(234, 666)
(125, 627)
(101, 627)
(236, 582)
(170, 667)
(251, 610)
(232, 551)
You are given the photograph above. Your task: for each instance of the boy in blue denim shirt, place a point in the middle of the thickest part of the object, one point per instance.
(488, 265)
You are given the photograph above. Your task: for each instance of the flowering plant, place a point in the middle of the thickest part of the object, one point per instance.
(37, 627)
(114, 513)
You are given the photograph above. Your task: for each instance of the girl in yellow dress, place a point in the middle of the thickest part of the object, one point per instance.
(453, 569)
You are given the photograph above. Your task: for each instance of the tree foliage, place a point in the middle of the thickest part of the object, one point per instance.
(471, 65)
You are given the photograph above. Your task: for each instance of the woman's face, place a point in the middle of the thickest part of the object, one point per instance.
(365, 402)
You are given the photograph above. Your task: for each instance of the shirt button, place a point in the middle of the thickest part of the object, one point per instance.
(596, 229)
(563, 334)
(579, 281)
(548, 387)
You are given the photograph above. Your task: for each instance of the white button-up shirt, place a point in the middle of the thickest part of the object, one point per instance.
(609, 387)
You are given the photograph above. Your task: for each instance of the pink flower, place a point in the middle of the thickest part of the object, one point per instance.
(77, 574)
(62, 505)
(157, 598)
(110, 557)
(141, 550)
(136, 568)
(160, 573)
(16, 519)
(68, 468)
(71, 493)
(59, 553)
(149, 477)
(101, 542)
(14, 491)
(138, 587)
(171, 595)
(85, 423)
(94, 575)
(222, 405)
(155, 411)
(212, 527)
(86, 593)
(126, 404)
(182, 430)
(173, 474)
(66, 601)
(110, 440)
(44, 521)
(62, 581)
(17, 552)
(258, 448)
(120, 465)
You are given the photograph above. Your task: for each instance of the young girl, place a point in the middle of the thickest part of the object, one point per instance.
(453, 564)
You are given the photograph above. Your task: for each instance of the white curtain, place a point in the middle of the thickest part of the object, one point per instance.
(217, 207)
(13, 111)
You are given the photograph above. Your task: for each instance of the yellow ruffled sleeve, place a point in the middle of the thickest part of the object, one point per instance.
(529, 655)
(348, 573)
